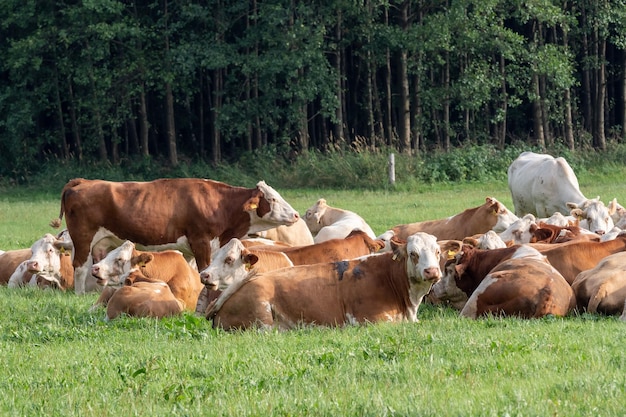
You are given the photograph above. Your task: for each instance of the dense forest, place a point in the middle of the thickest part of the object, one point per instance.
(111, 80)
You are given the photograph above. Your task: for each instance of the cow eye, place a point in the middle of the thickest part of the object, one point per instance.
(229, 260)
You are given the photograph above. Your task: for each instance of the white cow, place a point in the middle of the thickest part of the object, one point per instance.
(521, 231)
(333, 223)
(542, 185)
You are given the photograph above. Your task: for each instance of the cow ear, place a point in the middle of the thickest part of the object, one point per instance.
(571, 205)
(250, 259)
(578, 213)
(399, 250)
(142, 259)
(612, 207)
(540, 235)
(251, 204)
(470, 241)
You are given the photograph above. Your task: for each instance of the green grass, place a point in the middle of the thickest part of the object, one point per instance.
(59, 359)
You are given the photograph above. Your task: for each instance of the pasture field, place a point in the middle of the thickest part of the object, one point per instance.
(59, 359)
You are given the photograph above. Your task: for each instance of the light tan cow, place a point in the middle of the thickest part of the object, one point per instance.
(143, 299)
(602, 289)
(297, 234)
(328, 222)
(166, 266)
(387, 286)
(492, 215)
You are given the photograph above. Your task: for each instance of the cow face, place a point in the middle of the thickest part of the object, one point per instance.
(229, 264)
(45, 261)
(521, 231)
(446, 290)
(593, 215)
(111, 269)
(268, 209)
(314, 214)
(504, 216)
(423, 255)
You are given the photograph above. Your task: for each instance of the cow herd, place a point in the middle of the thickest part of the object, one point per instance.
(243, 257)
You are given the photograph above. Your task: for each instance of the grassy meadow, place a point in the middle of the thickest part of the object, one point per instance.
(59, 359)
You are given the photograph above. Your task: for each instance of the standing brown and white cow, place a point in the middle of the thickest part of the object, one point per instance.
(383, 287)
(166, 210)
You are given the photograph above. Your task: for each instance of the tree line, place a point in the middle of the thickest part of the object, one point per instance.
(108, 80)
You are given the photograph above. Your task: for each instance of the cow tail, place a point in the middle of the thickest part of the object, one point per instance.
(56, 223)
(597, 298)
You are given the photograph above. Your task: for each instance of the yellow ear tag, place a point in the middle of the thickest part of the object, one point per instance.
(62, 250)
(141, 264)
(451, 254)
(253, 206)
(394, 257)
(494, 212)
(248, 266)
(580, 218)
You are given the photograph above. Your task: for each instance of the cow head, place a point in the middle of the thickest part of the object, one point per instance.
(267, 209)
(422, 257)
(230, 263)
(445, 290)
(594, 215)
(314, 214)
(45, 261)
(488, 240)
(520, 231)
(110, 270)
(504, 216)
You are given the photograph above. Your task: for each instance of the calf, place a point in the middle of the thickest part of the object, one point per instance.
(144, 299)
(602, 289)
(167, 266)
(333, 223)
(525, 285)
(9, 262)
(387, 286)
(492, 215)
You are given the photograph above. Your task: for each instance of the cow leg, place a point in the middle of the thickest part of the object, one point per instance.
(80, 275)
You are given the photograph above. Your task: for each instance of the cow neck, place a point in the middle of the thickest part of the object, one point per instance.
(481, 262)
(236, 216)
(393, 273)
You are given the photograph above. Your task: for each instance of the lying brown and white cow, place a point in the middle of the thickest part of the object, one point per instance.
(526, 286)
(602, 289)
(10, 260)
(328, 222)
(573, 257)
(231, 264)
(166, 210)
(144, 299)
(48, 265)
(383, 287)
(492, 215)
(166, 266)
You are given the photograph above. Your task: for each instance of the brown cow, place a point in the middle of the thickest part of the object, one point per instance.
(166, 210)
(492, 215)
(573, 257)
(526, 285)
(10, 260)
(167, 266)
(602, 289)
(547, 233)
(143, 299)
(387, 286)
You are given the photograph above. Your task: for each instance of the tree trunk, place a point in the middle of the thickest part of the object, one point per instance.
(169, 98)
(74, 122)
(623, 115)
(501, 131)
(338, 127)
(64, 148)
(216, 94)
(144, 125)
(537, 117)
(388, 124)
(569, 125)
(599, 138)
(404, 106)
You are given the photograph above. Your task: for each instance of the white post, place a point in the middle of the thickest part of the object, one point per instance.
(392, 169)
